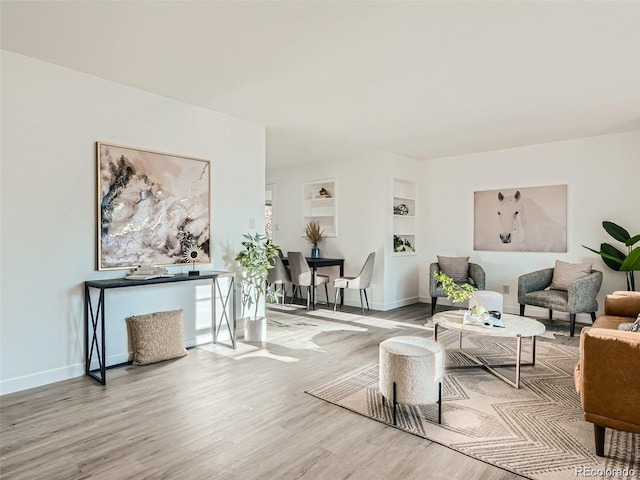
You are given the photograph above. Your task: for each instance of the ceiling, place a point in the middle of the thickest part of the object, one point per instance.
(336, 80)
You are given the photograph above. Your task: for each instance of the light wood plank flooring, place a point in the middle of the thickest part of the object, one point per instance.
(229, 414)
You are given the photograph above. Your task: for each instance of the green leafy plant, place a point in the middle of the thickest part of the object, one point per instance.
(616, 259)
(255, 262)
(455, 292)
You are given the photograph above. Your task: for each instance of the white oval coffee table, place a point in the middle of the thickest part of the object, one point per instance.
(514, 327)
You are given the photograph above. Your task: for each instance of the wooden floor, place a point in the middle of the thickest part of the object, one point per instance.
(229, 414)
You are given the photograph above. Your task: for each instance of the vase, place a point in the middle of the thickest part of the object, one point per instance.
(315, 251)
(255, 330)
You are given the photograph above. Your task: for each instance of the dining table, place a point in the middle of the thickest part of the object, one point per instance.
(314, 264)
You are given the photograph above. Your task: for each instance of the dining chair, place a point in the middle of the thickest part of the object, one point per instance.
(278, 274)
(361, 282)
(301, 277)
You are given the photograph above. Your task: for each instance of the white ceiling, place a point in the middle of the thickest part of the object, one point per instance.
(334, 80)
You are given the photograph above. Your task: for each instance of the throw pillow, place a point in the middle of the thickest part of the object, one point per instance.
(564, 274)
(157, 336)
(455, 267)
(631, 327)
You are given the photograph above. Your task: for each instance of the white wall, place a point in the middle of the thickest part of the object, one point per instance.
(601, 174)
(364, 209)
(602, 177)
(51, 119)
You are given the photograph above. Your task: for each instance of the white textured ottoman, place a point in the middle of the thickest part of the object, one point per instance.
(411, 371)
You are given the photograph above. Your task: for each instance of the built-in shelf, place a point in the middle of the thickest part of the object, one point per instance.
(404, 217)
(319, 203)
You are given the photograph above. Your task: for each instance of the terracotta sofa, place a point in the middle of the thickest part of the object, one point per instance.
(607, 375)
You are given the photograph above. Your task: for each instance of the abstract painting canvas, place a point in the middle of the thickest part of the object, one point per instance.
(153, 207)
(531, 219)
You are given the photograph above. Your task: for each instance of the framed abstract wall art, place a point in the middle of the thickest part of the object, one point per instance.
(530, 219)
(153, 207)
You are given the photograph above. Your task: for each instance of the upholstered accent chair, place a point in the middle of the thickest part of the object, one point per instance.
(538, 289)
(475, 276)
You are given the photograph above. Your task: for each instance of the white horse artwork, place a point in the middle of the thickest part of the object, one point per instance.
(525, 226)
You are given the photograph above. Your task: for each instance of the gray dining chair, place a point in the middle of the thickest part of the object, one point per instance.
(361, 282)
(277, 275)
(301, 277)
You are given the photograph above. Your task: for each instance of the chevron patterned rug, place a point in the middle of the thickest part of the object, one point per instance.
(536, 431)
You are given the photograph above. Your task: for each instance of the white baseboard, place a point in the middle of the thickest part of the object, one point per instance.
(41, 378)
(399, 303)
(46, 377)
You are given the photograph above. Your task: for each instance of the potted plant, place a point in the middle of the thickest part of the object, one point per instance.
(459, 292)
(255, 262)
(455, 292)
(617, 260)
(314, 236)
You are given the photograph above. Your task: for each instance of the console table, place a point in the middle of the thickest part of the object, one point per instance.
(94, 320)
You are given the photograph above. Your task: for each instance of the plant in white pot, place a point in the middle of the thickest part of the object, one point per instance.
(460, 292)
(254, 259)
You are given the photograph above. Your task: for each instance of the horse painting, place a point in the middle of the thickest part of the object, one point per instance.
(523, 223)
(519, 221)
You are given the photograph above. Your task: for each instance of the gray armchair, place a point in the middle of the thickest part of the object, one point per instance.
(476, 278)
(579, 298)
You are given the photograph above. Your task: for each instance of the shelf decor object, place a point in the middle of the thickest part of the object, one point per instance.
(404, 217)
(319, 204)
(152, 207)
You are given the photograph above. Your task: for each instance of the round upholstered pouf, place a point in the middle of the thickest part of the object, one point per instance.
(416, 365)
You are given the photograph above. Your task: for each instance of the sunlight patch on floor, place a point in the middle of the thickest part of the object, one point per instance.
(247, 350)
(365, 320)
(298, 332)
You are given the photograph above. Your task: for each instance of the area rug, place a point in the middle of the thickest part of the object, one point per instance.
(537, 431)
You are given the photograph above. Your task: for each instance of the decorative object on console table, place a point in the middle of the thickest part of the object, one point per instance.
(617, 260)
(255, 260)
(147, 273)
(139, 204)
(314, 236)
(192, 255)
